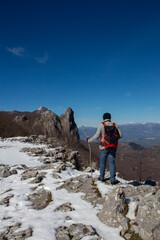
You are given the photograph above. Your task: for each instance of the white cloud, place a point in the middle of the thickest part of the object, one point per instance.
(18, 51)
(43, 59)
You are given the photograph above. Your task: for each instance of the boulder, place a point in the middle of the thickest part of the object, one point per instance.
(39, 177)
(5, 201)
(76, 232)
(6, 171)
(40, 199)
(147, 213)
(114, 209)
(65, 208)
(30, 173)
(11, 233)
(147, 222)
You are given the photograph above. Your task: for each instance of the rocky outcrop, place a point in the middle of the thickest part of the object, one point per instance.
(65, 208)
(40, 199)
(6, 171)
(76, 232)
(5, 201)
(40, 122)
(49, 124)
(135, 210)
(21, 118)
(11, 233)
(114, 209)
(146, 222)
(69, 126)
(42, 110)
(84, 184)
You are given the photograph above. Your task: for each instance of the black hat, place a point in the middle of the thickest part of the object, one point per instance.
(106, 116)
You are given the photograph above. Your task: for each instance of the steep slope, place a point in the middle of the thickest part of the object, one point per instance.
(133, 161)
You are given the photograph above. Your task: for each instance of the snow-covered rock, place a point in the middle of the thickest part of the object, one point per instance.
(43, 196)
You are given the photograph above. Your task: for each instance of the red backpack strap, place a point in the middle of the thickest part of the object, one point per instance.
(104, 124)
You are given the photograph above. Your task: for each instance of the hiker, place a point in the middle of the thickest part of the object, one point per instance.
(109, 133)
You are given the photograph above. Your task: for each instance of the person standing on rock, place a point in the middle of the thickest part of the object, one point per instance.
(109, 133)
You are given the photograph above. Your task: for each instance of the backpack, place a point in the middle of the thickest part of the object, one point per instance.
(111, 136)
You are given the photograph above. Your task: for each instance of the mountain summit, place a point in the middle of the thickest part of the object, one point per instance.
(42, 110)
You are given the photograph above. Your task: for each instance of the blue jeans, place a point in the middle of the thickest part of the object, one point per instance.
(111, 154)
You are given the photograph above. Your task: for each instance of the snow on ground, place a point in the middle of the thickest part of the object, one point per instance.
(10, 153)
(132, 209)
(45, 222)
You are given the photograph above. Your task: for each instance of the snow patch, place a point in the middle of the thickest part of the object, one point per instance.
(45, 222)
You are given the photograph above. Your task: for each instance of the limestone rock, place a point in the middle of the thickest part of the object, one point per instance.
(76, 232)
(21, 118)
(6, 171)
(147, 219)
(127, 236)
(34, 151)
(13, 171)
(5, 201)
(156, 232)
(41, 110)
(56, 176)
(83, 184)
(40, 199)
(49, 124)
(11, 233)
(65, 208)
(30, 173)
(72, 155)
(69, 126)
(60, 156)
(88, 169)
(39, 177)
(114, 209)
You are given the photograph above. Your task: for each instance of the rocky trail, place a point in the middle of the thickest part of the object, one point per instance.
(43, 197)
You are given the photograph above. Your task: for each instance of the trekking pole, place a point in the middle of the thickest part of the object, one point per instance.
(90, 156)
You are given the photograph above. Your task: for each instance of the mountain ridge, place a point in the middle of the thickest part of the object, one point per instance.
(39, 122)
(63, 128)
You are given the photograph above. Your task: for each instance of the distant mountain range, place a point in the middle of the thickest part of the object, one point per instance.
(145, 134)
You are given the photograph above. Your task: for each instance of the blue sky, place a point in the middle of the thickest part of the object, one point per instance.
(94, 56)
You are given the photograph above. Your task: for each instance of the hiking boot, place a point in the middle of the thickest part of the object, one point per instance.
(115, 182)
(102, 180)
